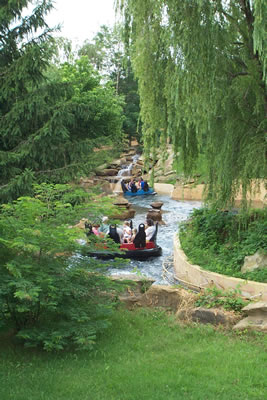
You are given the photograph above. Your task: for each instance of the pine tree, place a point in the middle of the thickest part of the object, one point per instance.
(49, 124)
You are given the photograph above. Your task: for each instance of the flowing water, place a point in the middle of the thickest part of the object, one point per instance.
(127, 169)
(173, 212)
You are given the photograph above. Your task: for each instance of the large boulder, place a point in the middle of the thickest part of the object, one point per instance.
(121, 202)
(107, 172)
(157, 205)
(256, 261)
(214, 316)
(155, 215)
(126, 214)
(125, 210)
(136, 170)
(256, 317)
(145, 295)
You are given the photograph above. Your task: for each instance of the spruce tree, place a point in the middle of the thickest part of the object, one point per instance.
(50, 123)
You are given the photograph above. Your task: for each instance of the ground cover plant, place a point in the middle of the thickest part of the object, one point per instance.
(219, 240)
(214, 297)
(144, 355)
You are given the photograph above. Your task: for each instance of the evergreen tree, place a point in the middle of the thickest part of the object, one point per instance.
(201, 69)
(48, 127)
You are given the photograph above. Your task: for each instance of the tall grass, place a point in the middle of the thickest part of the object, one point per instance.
(146, 355)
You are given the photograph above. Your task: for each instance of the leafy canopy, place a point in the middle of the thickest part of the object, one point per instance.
(201, 70)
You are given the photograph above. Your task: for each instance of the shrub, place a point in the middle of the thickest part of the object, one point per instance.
(219, 240)
(46, 296)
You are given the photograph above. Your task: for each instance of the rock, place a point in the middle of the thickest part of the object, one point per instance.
(254, 308)
(106, 172)
(165, 296)
(155, 215)
(137, 284)
(157, 205)
(144, 294)
(136, 170)
(208, 316)
(126, 214)
(212, 316)
(86, 182)
(140, 162)
(107, 189)
(126, 211)
(121, 202)
(256, 261)
(170, 173)
(117, 163)
(256, 319)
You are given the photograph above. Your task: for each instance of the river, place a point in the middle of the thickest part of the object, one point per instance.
(173, 212)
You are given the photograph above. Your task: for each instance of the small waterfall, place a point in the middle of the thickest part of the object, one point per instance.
(125, 171)
(117, 188)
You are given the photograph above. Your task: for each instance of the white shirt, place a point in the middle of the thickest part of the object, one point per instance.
(120, 232)
(150, 232)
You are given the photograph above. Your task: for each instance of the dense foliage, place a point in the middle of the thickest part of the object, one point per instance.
(50, 123)
(201, 68)
(107, 53)
(219, 241)
(49, 296)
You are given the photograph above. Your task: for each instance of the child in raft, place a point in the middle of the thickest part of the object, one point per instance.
(127, 232)
(133, 235)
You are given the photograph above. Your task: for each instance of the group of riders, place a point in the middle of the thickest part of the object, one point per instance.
(134, 186)
(124, 234)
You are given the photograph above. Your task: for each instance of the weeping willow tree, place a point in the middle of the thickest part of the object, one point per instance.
(201, 69)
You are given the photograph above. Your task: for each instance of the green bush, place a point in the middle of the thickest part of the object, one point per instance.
(48, 298)
(219, 240)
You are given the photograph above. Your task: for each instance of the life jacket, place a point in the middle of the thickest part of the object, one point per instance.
(145, 186)
(133, 188)
(113, 234)
(140, 238)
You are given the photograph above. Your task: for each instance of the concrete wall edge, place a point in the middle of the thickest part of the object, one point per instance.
(194, 274)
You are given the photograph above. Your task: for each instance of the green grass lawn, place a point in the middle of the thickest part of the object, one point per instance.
(145, 355)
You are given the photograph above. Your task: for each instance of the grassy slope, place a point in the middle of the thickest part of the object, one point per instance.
(144, 356)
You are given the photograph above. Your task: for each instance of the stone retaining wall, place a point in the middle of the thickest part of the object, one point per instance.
(194, 274)
(195, 192)
(164, 188)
